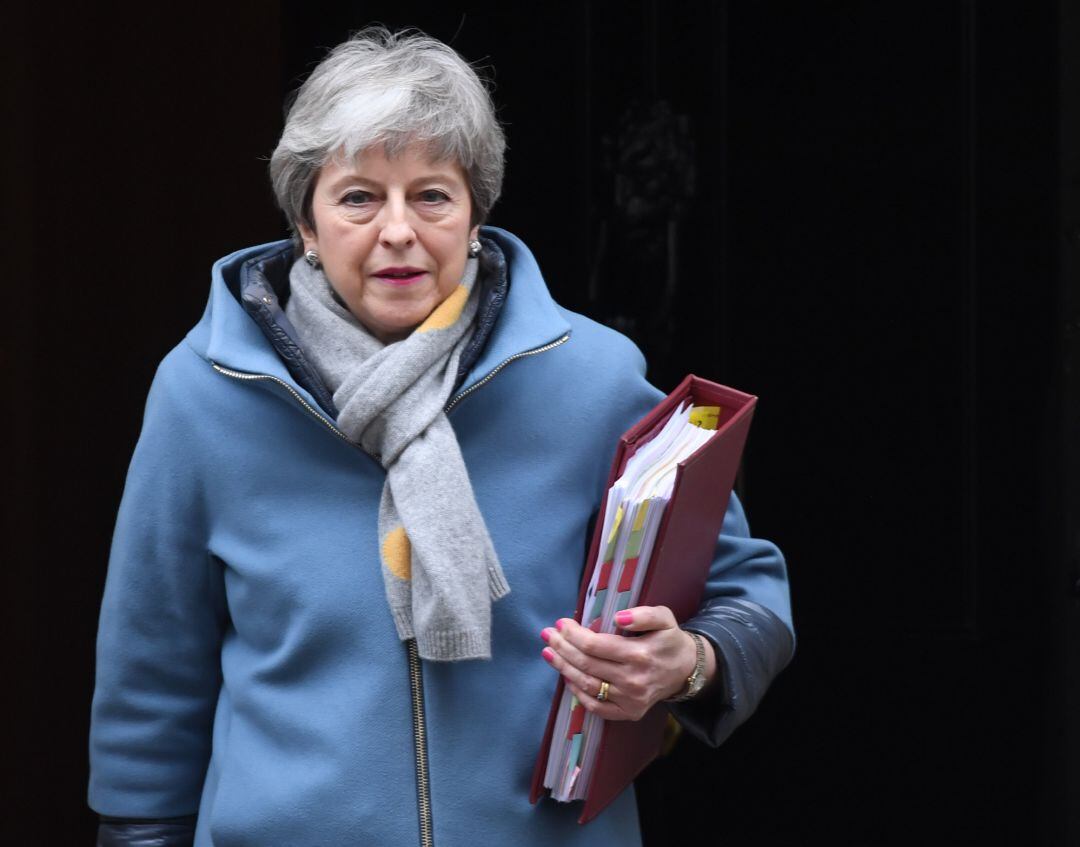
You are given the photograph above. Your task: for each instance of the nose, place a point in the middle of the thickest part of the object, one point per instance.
(397, 231)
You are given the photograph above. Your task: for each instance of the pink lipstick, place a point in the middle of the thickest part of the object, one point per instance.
(400, 276)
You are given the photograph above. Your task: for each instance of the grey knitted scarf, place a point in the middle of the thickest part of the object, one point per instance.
(439, 566)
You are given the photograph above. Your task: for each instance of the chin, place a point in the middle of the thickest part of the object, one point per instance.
(395, 329)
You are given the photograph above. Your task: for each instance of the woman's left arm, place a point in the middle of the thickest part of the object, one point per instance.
(745, 618)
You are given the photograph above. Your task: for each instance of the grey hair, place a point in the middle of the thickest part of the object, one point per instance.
(392, 89)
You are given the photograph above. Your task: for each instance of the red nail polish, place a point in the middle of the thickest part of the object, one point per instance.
(548, 653)
(545, 634)
(559, 624)
(624, 618)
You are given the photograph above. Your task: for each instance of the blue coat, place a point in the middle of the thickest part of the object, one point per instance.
(248, 667)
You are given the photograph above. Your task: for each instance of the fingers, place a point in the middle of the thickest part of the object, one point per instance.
(585, 687)
(585, 650)
(611, 710)
(641, 671)
(585, 683)
(600, 645)
(646, 619)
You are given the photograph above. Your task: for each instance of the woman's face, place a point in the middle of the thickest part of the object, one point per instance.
(392, 235)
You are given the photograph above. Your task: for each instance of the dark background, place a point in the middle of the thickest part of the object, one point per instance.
(866, 213)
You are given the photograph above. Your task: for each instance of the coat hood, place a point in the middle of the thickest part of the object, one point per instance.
(228, 337)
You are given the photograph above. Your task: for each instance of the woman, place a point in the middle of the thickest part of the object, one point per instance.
(359, 505)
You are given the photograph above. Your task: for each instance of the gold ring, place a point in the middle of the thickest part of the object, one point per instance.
(601, 695)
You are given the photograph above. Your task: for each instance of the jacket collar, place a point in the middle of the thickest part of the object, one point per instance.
(529, 319)
(227, 335)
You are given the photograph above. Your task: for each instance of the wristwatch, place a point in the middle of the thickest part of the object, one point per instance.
(696, 681)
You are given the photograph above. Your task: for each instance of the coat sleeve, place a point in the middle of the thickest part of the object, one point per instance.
(172, 832)
(746, 616)
(162, 621)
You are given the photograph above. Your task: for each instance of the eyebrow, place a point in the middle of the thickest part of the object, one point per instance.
(348, 178)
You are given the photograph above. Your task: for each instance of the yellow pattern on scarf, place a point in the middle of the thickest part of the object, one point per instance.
(397, 553)
(447, 312)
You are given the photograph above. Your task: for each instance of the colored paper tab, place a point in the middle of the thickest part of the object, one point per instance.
(598, 605)
(577, 720)
(609, 552)
(575, 750)
(605, 576)
(706, 417)
(633, 543)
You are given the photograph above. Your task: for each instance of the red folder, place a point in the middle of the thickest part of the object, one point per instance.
(678, 568)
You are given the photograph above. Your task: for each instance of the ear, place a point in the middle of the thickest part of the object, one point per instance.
(311, 240)
(474, 233)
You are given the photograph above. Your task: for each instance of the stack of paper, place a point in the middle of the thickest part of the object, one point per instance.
(632, 517)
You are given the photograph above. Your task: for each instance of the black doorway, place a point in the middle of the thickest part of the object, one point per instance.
(868, 214)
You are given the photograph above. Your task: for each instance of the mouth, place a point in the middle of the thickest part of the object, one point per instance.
(400, 276)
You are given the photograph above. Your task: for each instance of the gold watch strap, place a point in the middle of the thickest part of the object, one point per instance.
(699, 669)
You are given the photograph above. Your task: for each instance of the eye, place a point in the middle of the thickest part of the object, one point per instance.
(356, 198)
(433, 195)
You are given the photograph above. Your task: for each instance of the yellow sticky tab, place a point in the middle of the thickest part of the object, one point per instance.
(639, 520)
(615, 524)
(706, 417)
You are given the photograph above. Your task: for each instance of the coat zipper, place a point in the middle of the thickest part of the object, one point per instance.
(250, 377)
(416, 677)
(423, 782)
(549, 346)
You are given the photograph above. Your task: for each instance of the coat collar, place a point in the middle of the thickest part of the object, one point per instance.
(227, 335)
(529, 319)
